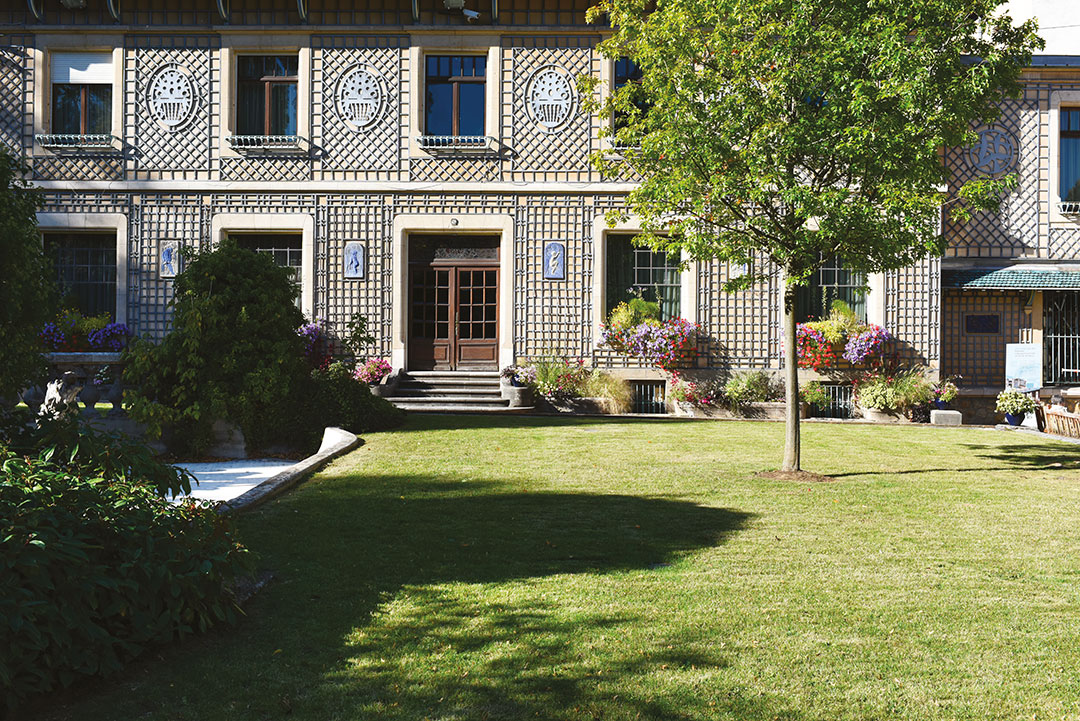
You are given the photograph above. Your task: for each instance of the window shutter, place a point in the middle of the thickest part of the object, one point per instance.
(82, 68)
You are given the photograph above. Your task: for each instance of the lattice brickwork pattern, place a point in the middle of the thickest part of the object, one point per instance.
(539, 155)
(912, 302)
(743, 327)
(369, 220)
(980, 358)
(552, 317)
(376, 152)
(16, 85)
(1064, 243)
(186, 152)
(1015, 230)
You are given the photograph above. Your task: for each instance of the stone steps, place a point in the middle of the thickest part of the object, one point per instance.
(450, 392)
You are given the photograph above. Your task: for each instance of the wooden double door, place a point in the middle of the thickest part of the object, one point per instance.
(454, 316)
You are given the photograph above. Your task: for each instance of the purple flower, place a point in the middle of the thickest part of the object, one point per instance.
(113, 337)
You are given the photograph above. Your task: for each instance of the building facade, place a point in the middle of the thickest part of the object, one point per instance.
(426, 166)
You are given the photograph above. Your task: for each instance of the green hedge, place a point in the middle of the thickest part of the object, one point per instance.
(92, 571)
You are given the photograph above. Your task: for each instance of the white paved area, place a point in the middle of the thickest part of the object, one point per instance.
(226, 480)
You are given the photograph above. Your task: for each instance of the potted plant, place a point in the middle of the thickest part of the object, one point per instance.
(516, 385)
(945, 392)
(884, 398)
(373, 372)
(1015, 405)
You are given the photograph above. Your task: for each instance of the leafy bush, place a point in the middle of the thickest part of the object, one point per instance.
(634, 312)
(895, 392)
(700, 394)
(1014, 402)
(814, 394)
(611, 388)
(333, 396)
(28, 290)
(96, 568)
(945, 390)
(233, 353)
(753, 387)
(373, 371)
(560, 379)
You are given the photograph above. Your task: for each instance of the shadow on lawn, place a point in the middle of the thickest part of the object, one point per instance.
(322, 643)
(1005, 457)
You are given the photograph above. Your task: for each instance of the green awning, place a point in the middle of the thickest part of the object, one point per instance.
(1010, 279)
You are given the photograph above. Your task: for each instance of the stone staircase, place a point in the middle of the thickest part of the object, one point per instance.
(450, 392)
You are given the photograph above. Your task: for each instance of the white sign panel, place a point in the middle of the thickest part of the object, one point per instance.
(1023, 366)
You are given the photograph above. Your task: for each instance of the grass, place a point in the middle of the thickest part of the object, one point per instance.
(516, 568)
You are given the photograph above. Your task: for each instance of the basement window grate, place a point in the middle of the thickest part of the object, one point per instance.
(647, 397)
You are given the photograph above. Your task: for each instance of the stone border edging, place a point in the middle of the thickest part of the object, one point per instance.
(335, 442)
(1033, 432)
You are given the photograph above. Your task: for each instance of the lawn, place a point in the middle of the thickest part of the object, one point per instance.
(511, 568)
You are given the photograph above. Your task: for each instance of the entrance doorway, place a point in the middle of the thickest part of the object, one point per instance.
(454, 303)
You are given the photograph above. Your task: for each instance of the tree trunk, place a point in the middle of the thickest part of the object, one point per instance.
(792, 443)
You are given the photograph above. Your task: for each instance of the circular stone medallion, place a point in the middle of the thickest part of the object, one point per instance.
(550, 97)
(360, 97)
(994, 153)
(170, 96)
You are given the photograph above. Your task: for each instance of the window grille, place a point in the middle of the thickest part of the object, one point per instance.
(630, 270)
(840, 403)
(647, 397)
(85, 266)
(1061, 337)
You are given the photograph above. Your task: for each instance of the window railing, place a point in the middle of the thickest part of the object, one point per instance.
(75, 142)
(265, 143)
(1068, 207)
(457, 144)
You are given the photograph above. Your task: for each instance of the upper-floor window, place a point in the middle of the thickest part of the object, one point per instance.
(454, 95)
(1070, 154)
(830, 283)
(85, 267)
(266, 94)
(633, 270)
(627, 72)
(81, 93)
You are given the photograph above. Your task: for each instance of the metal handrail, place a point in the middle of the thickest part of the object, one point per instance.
(76, 142)
(264, 142)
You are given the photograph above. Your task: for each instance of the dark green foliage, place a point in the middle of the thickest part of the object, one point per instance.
(27, 292)
(94, 569)
(333, 397)
(75, 446)
(233, 353)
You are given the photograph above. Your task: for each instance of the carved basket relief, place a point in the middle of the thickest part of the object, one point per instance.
(360, 97)
(170, 96)
(550, 97)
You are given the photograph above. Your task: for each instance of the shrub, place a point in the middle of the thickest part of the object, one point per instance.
(1014, 402)
(317, 344)
(560, 379)
(700, 394)
(28, 289)
(814, 394)
(945, 390)
(895, 392)
(373, 371)
(233, 353)
(615, 390)
(97, 568)
(332, 396)
(753, 387)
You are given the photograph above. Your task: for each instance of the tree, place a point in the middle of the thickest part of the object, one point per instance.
(796, 130)
(28, 294)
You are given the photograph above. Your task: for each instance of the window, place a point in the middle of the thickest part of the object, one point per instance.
(85, 266)
(1070, 154)
(830, 283)
(285, 248)
(454, 95)
(632, 270)
(987, 324)
(266, 94)
(627, 72)
(81, 93)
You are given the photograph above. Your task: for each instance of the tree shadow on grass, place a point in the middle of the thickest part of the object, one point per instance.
(1004, 457)
(369, 618)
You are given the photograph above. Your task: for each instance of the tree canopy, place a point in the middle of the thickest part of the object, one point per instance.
(793, 131)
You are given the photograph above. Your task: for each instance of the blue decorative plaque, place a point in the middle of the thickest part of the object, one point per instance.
(169, 258)
(355, 262)
(554, 261)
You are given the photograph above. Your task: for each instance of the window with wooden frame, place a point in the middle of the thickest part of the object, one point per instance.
(454, 95)
(639, 270)
(266, 94)
(84, 265)
(627, 72)
(81, 93)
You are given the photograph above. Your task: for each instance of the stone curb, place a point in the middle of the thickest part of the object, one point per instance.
(1033, 432)
(335, 442)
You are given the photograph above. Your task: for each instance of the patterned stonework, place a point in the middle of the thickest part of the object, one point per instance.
(170, 96)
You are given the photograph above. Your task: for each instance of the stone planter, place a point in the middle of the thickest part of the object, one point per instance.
(758, 411)
(589, 406)
(519, 396)
(876, 415)
(388, 386)
(685, 409)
